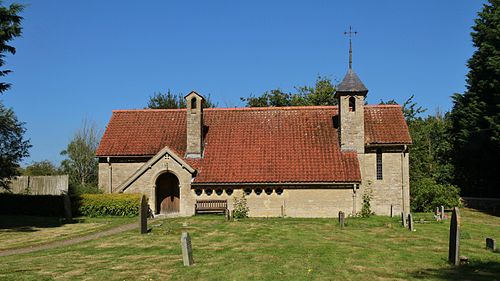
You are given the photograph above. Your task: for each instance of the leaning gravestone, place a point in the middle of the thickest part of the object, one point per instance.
(411, 227)
(227, 215)
(454, 245)
(403, 219)
(341, 219)
(491, 244)
(187, 250)
(143, 215)
(442, 213)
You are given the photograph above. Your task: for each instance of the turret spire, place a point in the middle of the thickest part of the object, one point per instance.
(350, 33)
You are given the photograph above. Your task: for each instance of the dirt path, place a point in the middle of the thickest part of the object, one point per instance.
(70, 241)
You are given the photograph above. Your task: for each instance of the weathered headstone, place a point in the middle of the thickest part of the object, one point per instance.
(454, 245)
(341, 219)
(187, 250)
(403, 219)
(442, 212)
(67, 208)
(437, 211)
(282, 211)
(491, 244)
(227, 215)
(143, 215)
(411, 227)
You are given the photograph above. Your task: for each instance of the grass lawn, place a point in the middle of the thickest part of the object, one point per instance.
(23, 231)
(272, 249)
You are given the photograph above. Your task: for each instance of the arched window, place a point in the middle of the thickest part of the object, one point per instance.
(193, 103)
(352, 104)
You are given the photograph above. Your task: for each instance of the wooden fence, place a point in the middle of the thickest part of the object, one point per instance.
(39, 185)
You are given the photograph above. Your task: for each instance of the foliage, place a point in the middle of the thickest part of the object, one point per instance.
(13, 147)
(41, 168)
(173, 101)
(31, 205)
(429, 194)
(476, 113)
(366, 210)
(99, 205)
(321, 94)
(10, 28)
(81, 164)
(240, 207)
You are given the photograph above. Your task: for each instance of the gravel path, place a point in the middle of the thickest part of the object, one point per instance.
(70, 241)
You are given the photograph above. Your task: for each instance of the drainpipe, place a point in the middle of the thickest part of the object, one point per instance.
(403, 188)
(354, 199)
(110, 175)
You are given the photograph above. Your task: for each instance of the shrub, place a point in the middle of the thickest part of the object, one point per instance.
(79, 189)
(427, 194)
(31, 205)
(98, 205)
(366, 210)
(240, 207)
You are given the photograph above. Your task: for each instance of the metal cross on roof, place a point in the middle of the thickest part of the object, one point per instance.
(350, 33)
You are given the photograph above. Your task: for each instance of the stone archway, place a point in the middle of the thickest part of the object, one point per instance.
(167, 194)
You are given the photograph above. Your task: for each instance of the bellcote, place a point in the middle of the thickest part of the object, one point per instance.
(194, 125)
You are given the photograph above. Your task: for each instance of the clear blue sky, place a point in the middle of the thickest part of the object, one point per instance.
(82, 59)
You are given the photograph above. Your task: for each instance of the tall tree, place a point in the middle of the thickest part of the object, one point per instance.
(13, 147)
(322, 93)
(172, 101)
(81, 164)
(10, 28)
(476, 113)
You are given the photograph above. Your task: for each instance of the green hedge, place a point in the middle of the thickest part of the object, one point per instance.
(98, 205)
(31, 205)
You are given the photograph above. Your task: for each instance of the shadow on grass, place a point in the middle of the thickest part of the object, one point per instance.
(487, 271)
(27, 223)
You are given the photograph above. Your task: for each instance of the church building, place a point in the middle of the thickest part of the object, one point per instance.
(307, 161)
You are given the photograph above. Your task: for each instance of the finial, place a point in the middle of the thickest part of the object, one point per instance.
(350, 33)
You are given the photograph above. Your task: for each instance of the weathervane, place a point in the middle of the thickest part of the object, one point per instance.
(350, 33)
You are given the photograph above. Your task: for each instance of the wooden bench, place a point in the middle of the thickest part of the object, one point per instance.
(210, 206)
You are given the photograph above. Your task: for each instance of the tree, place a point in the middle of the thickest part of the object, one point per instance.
(13, 147)
(475, 115)
(173, 101)
(10, 28)
(81, 164)
(321, 94)
(41, 168)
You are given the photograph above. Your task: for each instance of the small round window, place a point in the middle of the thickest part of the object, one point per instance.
(248, 191)
(269, 191)
(198, 192)
(208, 191)
(229, 191)
(258, 191)
(218, 191)
(279, 191)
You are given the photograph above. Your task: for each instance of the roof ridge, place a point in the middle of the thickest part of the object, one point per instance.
(148, 110)
(383, 105)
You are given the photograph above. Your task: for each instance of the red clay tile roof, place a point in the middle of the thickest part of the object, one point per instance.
(385, 124)
(254, 145)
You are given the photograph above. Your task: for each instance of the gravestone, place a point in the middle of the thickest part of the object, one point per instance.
(282, 211)
(227, 215)
(491, 244)
(392, 209)
(143, 215)
(454, 245)
(187, 250)
(67, 208)
(403, 219)
(442, 212)
(341, 219)
(437, 211)
(411, 227)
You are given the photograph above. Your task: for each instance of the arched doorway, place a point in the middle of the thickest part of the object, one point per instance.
(167, 194)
